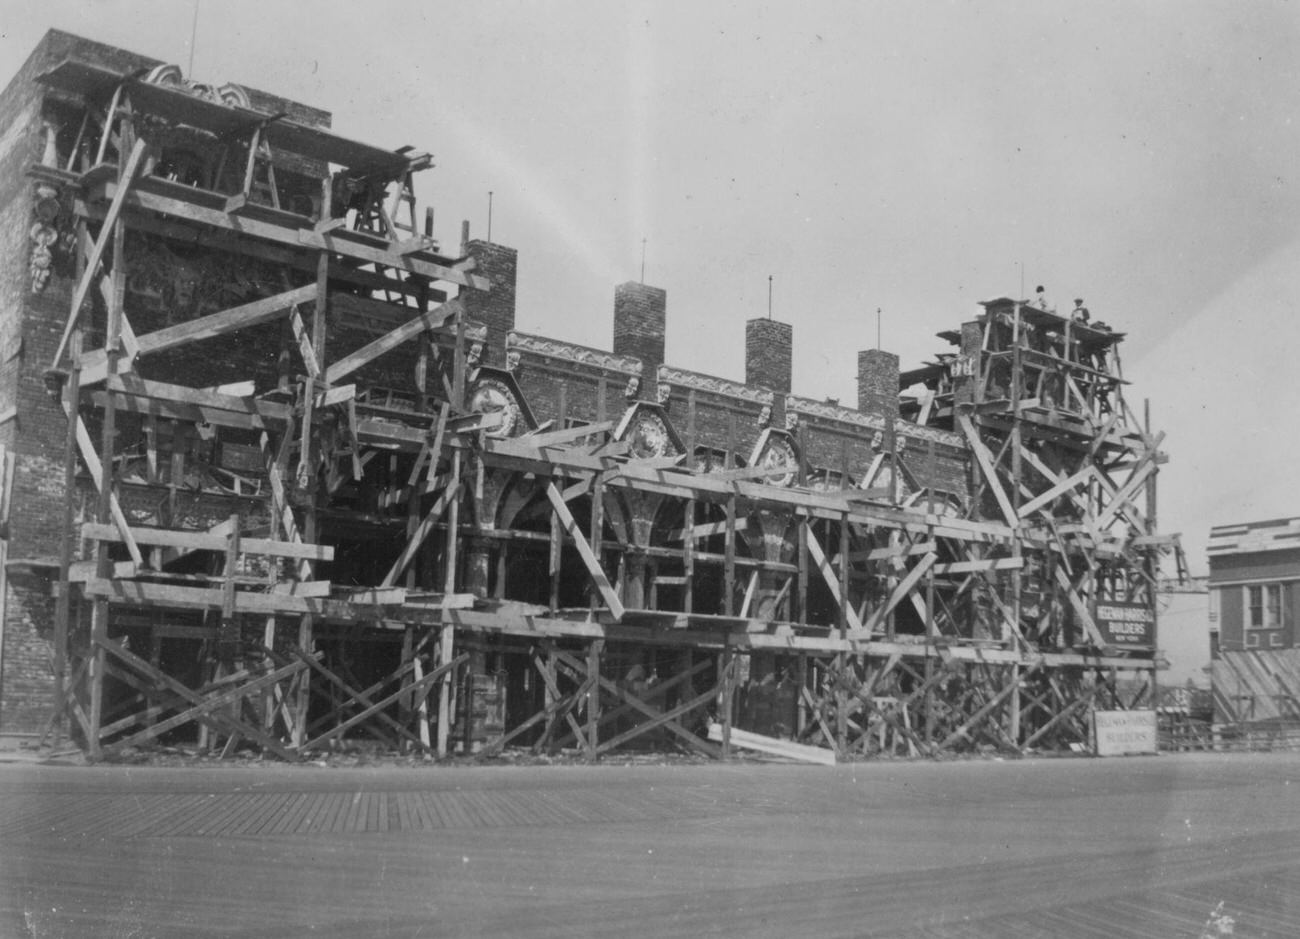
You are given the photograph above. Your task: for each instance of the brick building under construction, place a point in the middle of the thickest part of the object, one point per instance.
(280, 472)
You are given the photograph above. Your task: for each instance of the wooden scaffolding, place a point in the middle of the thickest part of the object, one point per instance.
(272, 541)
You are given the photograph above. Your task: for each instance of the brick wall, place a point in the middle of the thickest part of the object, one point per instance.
(567, 383)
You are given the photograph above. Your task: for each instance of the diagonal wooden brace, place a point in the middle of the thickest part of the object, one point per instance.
(415, 688)
(204, 709)
(584, 549)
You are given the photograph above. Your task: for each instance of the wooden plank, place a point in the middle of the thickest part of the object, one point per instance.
(990, 471)
(1080, 608)
(554, 438)
(91, 270)
(706, 530)
(145, 593)
(419, 687)
(207, 705)
(96, 470)
(986, 564)
(833, 582)
(1011, 687)
(1062, 487)
(749, 594)
(265, 415)
(894, 551)
(665, 717)
(304, 343)
(433, 319)
(303, 238)
(578, 671)
(901, 590)
(221, 719)
(584, 550)
(747, 740)
(363, 697)
(207, 541)
(205, 327)
(1126, 492)
(421, 533)
(132, 384)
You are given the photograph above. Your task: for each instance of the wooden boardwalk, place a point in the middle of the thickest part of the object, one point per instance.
(1139, 847)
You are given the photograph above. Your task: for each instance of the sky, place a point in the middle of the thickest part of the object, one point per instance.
(911, 158)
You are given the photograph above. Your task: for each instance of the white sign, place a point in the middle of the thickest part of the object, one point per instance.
(1122, 732)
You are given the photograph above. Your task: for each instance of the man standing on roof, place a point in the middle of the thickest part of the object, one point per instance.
(1080, 313)
(1040, 299)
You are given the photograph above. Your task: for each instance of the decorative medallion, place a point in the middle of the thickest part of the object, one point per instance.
(648, 436)
(490, 395)
(633, 386)
(779, 456)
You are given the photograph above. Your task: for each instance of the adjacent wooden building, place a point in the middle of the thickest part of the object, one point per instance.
(1255, 604)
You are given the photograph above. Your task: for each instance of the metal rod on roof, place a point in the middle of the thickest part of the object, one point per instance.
(877, 329)
(489, 227)
(194, 32)
(643, 260)
(769, 296)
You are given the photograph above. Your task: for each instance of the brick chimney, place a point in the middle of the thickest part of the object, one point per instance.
(494, 308)
(640, 318)
(878, 384)
(769, 354)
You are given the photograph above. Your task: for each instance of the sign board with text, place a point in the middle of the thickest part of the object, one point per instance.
(1126, 624)
(1124, 732)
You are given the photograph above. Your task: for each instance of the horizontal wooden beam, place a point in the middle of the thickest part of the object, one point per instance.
(265, 310)
(707, 530)
(987, 564)
(149, 594)
(203, 541)
(304, 239)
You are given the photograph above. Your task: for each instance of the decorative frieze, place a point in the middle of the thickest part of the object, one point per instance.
(824, 410)
(679, 378)
(569, 352)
